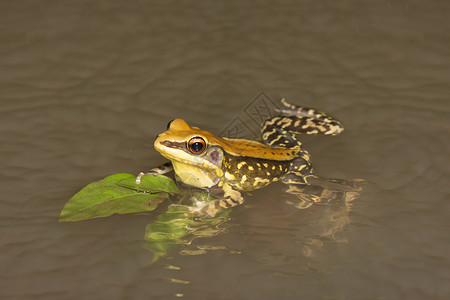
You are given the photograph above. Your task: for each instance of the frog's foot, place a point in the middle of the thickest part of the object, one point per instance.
(139, 177)
(163, 169)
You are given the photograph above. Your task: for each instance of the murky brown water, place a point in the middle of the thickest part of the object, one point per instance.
(86, 85)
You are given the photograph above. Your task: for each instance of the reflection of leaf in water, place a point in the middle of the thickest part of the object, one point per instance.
(178, 226)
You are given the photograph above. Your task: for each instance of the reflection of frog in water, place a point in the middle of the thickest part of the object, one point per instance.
(297, 232)
(203, 160)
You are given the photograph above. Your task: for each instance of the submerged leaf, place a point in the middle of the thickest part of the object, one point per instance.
(106, 197)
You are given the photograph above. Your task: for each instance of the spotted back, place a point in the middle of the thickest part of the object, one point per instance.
(248, 173)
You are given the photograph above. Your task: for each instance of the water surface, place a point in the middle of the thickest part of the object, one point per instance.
(86, 86)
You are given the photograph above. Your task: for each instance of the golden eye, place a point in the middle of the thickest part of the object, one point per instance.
(196, 145)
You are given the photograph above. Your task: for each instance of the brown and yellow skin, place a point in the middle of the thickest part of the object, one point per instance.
(204, 160)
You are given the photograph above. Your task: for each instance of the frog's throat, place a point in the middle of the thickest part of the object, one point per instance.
(197, 176)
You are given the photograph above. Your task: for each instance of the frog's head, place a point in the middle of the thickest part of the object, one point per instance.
(195, 154)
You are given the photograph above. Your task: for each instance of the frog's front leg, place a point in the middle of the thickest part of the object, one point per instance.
(211, 208)
(163, 169)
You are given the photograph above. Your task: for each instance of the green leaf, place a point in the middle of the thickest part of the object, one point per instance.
(150, 183)
(106, 197)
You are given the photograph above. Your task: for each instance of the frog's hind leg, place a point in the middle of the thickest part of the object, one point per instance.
(274, 133)
(297, 119)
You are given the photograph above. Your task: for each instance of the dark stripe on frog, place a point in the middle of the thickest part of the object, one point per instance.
(175, 145)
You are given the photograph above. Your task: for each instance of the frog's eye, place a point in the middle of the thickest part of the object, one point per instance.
(196, 145)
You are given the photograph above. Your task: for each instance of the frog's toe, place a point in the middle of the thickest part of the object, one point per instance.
(139, 177)
(163, 169)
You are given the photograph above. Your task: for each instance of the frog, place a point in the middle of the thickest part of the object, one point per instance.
(203, 160)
